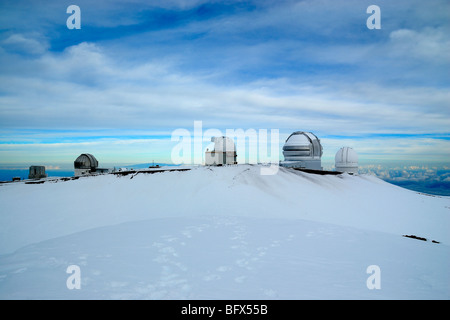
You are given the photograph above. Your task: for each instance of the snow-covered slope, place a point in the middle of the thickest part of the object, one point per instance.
(222, 233)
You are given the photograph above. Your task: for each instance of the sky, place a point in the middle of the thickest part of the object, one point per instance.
(138, 70)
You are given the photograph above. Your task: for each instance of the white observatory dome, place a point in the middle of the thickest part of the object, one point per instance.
(346, 160)
(224, 152)
(302, 150)
(297, 140)
(223, 144)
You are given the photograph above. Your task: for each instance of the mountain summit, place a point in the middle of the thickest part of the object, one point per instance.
(223, 233)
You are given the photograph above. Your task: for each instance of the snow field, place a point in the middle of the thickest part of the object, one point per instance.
(222, 233)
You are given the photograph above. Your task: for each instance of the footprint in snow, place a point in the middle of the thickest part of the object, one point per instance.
(240, 279)
(170, 238)
(21, 270)
(270, 293)
(211, 277)
(223, 268)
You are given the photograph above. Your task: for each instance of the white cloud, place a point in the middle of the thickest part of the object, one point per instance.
(29, 44)
(86, 86)
(430, 45)
(51, 167)
(244, 70)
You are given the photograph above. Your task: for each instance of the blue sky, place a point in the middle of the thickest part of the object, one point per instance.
(138, 70)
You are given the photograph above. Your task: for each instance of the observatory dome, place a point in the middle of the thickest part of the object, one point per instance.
(86, 161)
(302, 150)
(224, 152)
(223, 144)
(302, 146)
(346, 160)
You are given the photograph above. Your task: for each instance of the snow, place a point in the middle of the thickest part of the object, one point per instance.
(222, 233)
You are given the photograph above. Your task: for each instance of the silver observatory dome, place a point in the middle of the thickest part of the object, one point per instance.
(346, 160)
(85, 161)
(302, 150)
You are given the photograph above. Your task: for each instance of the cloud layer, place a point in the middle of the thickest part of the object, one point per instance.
(146, 68)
